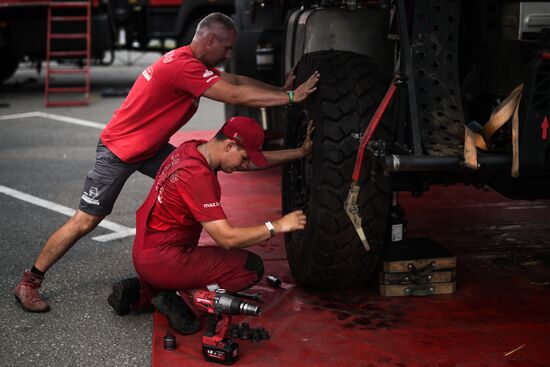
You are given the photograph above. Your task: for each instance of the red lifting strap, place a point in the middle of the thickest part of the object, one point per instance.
(371, 128)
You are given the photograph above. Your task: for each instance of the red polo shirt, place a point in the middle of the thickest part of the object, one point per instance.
(164, 97)
(189, 196)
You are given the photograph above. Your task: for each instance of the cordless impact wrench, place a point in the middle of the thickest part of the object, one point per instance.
(216, 345)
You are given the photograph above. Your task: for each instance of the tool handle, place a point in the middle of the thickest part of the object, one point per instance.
(211, 324)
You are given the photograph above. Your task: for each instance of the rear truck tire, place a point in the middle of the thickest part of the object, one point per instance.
(189, 32)
(9, 63)
(328, 254)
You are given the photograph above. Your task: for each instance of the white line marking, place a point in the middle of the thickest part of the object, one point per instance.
(51, 116)
(119, 231)
(526, 207)
(115, 235)
(19, 116)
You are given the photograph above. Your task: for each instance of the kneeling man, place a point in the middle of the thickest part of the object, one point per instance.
(184, 199)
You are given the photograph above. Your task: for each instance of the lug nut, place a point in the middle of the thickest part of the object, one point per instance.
(273, 281)
(169, 341)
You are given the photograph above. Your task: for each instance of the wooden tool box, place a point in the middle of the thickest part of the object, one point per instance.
(420, 267)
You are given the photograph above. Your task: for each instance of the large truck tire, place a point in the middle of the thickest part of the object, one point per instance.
(328, 254)
(8, 64)
(189, 32)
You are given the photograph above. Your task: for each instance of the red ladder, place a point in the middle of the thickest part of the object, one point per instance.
(68, 38)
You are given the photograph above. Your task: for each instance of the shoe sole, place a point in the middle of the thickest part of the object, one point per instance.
(22, 306)
(192, 326)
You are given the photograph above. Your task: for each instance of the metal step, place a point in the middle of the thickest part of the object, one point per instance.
(84, 70)
(82, 53)
(69, 18)
(80, 102)
(68, 35)
(68, 4)
(68, 89)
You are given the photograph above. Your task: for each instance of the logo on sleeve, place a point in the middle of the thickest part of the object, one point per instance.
(209, 75)
(211, 205)
(168, 57)
(148, 73)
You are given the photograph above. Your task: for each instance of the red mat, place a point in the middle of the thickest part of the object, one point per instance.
(502, 301)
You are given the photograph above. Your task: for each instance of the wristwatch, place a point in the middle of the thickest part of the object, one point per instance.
(269, 226)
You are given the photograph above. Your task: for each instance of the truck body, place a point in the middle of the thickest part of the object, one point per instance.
(115, 25)
(466, 73)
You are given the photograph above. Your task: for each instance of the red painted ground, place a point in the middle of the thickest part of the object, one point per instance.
(502, 300)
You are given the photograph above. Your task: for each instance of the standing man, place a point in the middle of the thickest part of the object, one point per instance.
(163, 98)
(184, 199)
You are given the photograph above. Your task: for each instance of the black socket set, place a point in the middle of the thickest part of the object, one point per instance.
(245, 332)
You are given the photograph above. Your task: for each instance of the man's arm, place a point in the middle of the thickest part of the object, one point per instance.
(278, 157)
(229, 237)
(256, 94)
(244, 80)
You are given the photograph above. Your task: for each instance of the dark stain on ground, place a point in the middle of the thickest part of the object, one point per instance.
(343, 316)
(514, 261)
(384, 360)
(363, 321)
(360, 308)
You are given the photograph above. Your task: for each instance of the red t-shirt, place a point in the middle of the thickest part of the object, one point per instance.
(189, 196)
(164, 97)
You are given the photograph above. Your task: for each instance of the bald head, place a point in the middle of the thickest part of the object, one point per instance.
(218, 24)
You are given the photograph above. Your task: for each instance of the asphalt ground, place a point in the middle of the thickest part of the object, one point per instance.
(45, 158)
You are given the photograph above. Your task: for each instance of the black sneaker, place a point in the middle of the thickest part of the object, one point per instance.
(125, 293)
(181, 317)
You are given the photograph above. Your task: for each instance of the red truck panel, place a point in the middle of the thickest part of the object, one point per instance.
(165, 2)
(6, 3)
(22, 2)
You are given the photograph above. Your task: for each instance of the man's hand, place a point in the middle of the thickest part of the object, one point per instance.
(291, 222)
(307, 146)
(290, 79)
(306, 88)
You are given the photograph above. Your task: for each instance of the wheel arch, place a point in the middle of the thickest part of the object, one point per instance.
(191, 10)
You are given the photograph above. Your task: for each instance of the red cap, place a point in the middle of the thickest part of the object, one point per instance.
(246, 132)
